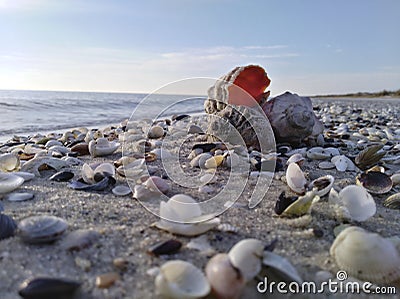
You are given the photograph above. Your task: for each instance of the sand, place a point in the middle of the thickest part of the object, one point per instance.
(126, 232)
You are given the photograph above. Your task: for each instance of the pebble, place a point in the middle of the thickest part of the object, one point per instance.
(206, 189)
(81, 148)
(155, 183)
(120, 263)
(207, 178)
(106, 280)
(193, 129)
(83, 264)
(326, 165)
(27, 176)
(156, 132)
(200, 160)
(46, 288)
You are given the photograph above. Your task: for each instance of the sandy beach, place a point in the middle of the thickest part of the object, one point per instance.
(126, 230)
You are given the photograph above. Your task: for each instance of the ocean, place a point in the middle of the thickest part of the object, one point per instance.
(29, 112)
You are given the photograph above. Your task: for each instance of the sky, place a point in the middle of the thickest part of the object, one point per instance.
(307, 47)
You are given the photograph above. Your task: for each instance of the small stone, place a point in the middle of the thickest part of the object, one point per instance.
(155, 183)
(200, 160)
(156, 132)
(83, 264)
(207, 178)
(106, 280)
(81, 148)
(318, 233)
(205, 189)
(120, 263)
(193, 129)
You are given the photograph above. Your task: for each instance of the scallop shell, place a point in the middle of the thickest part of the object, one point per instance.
(9, 182)
(226, 281)
(246, 255)
(366, 256)
(182, 215)
(323, 185)
(9, 162)
(181, 280)
(375, 182)
(295, 178)
(356, 203)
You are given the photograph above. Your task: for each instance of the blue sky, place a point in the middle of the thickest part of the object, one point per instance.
(308, 47)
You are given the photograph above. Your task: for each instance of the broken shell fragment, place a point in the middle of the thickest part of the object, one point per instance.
(40, 162)
(181, 280)
(9, 182)
(226, 281)
(323, 185)
(280, 268)
(296, 158)
(295, 178)
(295, 206)
(375, 182)
(246, 255)
(165, 247)
(366, 256)
(121, 190)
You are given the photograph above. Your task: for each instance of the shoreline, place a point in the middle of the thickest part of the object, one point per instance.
(126, 231)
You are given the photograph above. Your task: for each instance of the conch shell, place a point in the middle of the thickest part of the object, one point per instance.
(240, 99)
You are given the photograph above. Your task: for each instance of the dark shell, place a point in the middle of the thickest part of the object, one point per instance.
(48, 288)
(283, 202)
(7, 226)
(207, 147)
(41, 229)
(165, 247)
(81, 148)
(179, 117)
(61, 176)
(106, 182)
(79, 239)
(375, 182)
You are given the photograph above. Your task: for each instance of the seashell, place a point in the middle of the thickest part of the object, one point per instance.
(295, 206)
(226, 281)
(102, 147)
(342, 163)
(323, 184)
(41, 229)
(393, 201)
(95, 173)
(246, 256)
(279, 268)
(295, 178)
(356, 203)
(9, 162)
(292, 118)
(155, 183)
(52, 142)
(369, 156)
(72, 161)
(140, 192)
(27, 176)
(156, 132)
(326, 165)
(46, 287)
(395, 179)
(182, 215)
(318, 153)
(193, 129)
(7, 226)
(366, 256)
(37, 163)
(202, 244)
(170, 246)
(58, 150)
(121, 190)
(296, 158)
(9, 182)
(375, 182)
(61, 176)
(80, 239)
(20, 196)
(376, 168)
(99, 186)
(181, 280)
(81, 148)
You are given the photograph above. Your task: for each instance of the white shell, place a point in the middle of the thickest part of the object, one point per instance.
(34, 164)
(88, 172)
(246, 255)
(326, 165)
(357, 203)
(282, 266)
(181, 280)
(27, 176)
(225, 280)
(366, 255)
(9, 162)
(121, 190)
(295, 158)
(20, 196)
(395, 179)
(102, 147)
(9, 182)
(340, 163)
(325, 190)
(295, 178)
(318, 153)
(182, 215)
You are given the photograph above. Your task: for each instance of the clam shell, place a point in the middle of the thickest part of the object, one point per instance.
(79, 239)
(280, 268)
(358, 204)
(226, 281)
(369, 156)
(38, 162)
(375, 182)
(41, 229)
(323, 184)
(165, 247)
(295, 178)
(393, 201)
(121, 190)
(9, 182)
(246, 255)
(7, 226)
(99, 186)
(366, 256)
(46, 287)
(395, 179)
(102, 147)
(296, 158)
(301, 205)
(9, 162)
(180, 279)
(62, 176)
(27, 176)
(19, 196)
